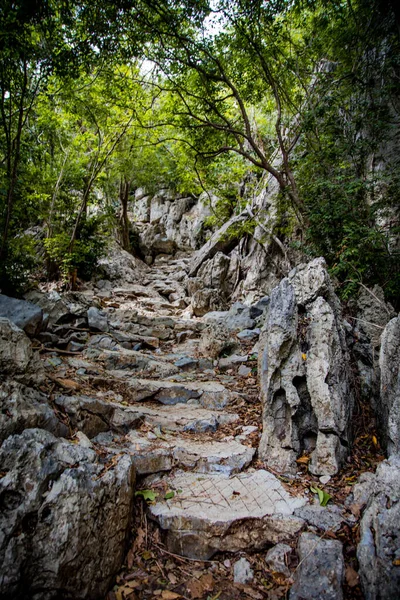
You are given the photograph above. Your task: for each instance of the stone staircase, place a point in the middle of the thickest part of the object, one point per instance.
(179, 417)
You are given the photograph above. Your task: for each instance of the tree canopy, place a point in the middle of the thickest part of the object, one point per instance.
(100, 98)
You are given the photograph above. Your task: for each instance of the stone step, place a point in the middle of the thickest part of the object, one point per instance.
(220, 513)
(181, 417)
(152, 454)
(207, 394)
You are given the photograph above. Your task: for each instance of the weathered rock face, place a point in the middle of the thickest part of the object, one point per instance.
(378, 551)
(25, 315)
(120, 266)
(17, 358)
(305, 375)
(373, 313)
(388, 408)
(22, 408)
(64, 518)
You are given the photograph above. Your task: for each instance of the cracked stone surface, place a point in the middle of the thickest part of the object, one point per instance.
(216, 512)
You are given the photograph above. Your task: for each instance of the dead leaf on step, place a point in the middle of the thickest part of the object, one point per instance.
(68, 384)
(303, 460)
(252, 593)
(173, 579)
(198, 587)
(352, 577)
(167, 595)
(356, 510)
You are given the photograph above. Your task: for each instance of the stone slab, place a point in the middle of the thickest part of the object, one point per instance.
(216, 512)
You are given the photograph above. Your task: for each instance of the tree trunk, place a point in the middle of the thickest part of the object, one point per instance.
(124, 223)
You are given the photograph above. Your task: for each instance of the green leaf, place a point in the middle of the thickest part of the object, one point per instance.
(169, 495)
(147, 495)
(323, 497)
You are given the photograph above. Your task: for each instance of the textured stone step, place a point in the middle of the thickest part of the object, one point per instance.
(215, 512)
(208, 394)
(154, 455)
(182, 417)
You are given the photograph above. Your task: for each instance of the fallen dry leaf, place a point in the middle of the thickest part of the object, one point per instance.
(303, 460)
(198, 587)
(167, 595)
(352, 577)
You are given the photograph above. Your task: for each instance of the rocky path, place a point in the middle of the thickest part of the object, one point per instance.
(149, 381)
(134, 379)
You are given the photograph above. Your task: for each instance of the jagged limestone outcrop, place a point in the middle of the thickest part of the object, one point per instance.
(305, 376)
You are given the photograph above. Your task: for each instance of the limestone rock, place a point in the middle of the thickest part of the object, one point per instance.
(167, 452)
(378, 551)
(205, 300)
(388, 408)
(22, 407)
(118, 265)
(25, 315)
(321, 569)
(215, 340)
(97, 319)
(304, 367)
(213, 513)
(220, 241)
(93, 416)
(242, 571)
(213, 273)
(277, 559)
(71, 515)
(373, 313)
(17, 358)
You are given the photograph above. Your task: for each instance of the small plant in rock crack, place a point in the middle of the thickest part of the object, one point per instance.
(148, 495)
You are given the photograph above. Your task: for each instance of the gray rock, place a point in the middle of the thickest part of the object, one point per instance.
(93, 416)
(326, 518)
(373, 313)
(305, 375)
(388, 408)
(138, 363)
(17, 358)
(213, 513)
(242, 571)
(249, 335)
(215, 340)
(378, 551)
(321, 570)
(23, 314)
(244, 371)
(152, 454)
(71, 513)
(220, 241)
(204, 301)
(259, 308)
(277, 559)
(97, 320)
(186, 363)
(22, 408)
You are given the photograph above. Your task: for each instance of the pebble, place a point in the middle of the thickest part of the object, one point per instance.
(242, 571)
(324, 479)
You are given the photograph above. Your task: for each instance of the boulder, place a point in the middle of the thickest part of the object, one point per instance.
(64, 518)
(305, 376)
(388, 407)
(320, 573)
(378, 551)
(22, 407)
(23, 314)
(120, 266)
(277, 559)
